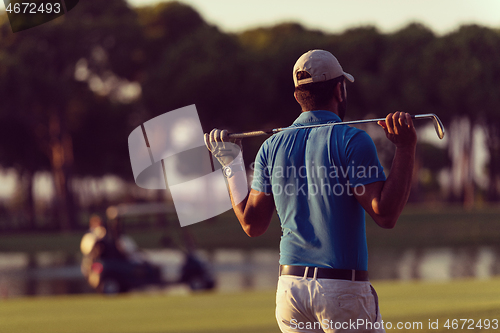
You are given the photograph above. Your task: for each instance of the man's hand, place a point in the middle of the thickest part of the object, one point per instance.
(223, 148)
(399, 129)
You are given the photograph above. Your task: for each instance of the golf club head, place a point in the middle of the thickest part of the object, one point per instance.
(438, 125)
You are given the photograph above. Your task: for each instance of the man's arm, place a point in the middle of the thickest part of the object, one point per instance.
(384, 201)
(254, 210)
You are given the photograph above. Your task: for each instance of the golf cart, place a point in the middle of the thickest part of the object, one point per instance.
(112, 263)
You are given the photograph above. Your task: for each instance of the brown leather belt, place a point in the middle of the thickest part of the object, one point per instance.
(325, 273)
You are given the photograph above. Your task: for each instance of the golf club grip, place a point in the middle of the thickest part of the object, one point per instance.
(247, 134)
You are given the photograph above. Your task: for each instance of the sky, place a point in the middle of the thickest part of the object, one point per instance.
(442, 16)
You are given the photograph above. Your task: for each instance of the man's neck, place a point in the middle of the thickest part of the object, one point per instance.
(326, 109)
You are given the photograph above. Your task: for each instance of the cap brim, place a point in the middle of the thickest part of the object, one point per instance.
(349, 77)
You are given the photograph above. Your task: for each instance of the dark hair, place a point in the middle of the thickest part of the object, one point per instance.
(317, 95)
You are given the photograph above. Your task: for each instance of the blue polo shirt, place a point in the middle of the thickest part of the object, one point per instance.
(313, 174)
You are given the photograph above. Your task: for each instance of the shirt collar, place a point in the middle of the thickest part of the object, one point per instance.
(316, 117)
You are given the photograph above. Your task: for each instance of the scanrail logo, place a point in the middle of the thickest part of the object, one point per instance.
(26, 14)
(169, 151)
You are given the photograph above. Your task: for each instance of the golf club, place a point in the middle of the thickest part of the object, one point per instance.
(438, 125)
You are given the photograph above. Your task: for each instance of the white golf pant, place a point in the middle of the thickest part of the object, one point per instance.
(310, 305)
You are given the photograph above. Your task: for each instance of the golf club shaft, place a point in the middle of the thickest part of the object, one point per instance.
(437, 124)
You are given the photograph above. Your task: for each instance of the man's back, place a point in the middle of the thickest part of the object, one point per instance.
(312, 174)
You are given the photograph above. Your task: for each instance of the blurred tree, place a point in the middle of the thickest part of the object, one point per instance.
(401, 85)
(464, 75)
(432, 160)
(192, 62)
(40, 91)
(404, 87)
(189, 62)
(361, 52)
(270, 54)
(70, 88)
(20, 150)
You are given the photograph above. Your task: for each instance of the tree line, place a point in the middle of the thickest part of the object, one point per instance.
(73, 89)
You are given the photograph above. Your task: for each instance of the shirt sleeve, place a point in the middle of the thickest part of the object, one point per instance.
(362, 158)
(261, 175)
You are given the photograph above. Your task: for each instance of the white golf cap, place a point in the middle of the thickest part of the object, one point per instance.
(321, 65)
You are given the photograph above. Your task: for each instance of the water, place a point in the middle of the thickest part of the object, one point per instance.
(55, 273)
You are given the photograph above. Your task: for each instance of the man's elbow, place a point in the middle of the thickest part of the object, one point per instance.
(384, 217)
(254, 231)
(386, 222)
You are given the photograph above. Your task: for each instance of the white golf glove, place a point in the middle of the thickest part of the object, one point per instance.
(224, 149)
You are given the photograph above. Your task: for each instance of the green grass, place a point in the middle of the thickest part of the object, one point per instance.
(239, 312)
(460, 299)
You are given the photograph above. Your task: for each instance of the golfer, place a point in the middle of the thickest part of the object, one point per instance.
(321, 181)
